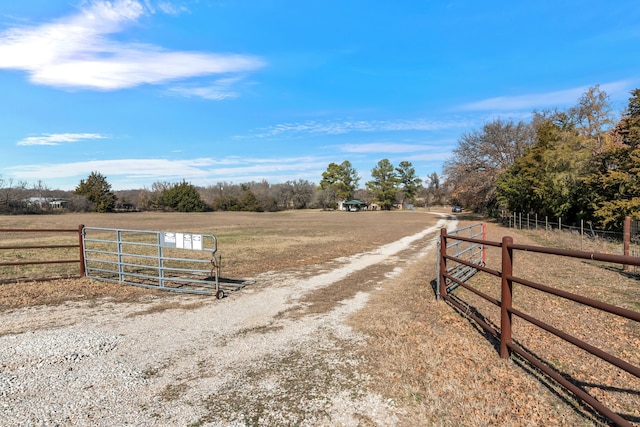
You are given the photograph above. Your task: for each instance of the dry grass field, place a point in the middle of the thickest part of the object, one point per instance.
(437, 367)
(249, 244)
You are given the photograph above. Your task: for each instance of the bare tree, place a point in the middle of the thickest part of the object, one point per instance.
(593, 117)
(326, 197)
(434, 193)
(11, 194)
(303, 192)
(481, 156)
(284, 194)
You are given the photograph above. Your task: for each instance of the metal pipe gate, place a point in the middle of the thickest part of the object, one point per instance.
(473, 253)
(169, 261)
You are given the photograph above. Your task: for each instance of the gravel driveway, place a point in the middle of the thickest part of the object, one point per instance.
(261, 356)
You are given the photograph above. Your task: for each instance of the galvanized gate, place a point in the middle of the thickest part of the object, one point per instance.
(471, 252)
(180, 262)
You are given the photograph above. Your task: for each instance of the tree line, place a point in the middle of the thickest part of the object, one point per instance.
(389, 187)
(578, 164)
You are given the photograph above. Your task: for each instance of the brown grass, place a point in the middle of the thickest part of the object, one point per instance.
(249, 243)
(29, 294)
(447, 370)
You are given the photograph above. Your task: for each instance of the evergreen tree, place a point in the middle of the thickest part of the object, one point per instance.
(249, 202)
(98, 191)
(615, 182)
(342, 179)
(410, 184)
(548, 178)
(182, 197)
(563, 174)
(384, 185)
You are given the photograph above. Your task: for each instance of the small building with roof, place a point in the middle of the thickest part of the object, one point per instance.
(354, 205)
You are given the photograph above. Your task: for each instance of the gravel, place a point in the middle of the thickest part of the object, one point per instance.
(242, 360)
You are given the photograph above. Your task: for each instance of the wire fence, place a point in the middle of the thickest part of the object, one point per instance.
(580, 237)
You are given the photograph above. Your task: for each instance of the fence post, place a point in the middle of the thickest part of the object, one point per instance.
(536, 222)
(484, 248)
(559, 223)
(506, 297)
(546, 223)
(627, 239)
(81, 246)
(443, 263)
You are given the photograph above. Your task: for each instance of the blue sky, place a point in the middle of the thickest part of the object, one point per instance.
(245, 90)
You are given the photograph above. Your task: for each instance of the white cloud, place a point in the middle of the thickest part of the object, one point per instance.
(429, 157)
(262, 166)
(125, 174)
(433, 151)
(77, 52)
(348, 126)
(385, 147)
(203, 171)
(134, 167)
(220, 89)
(172, 9)
(549, 99)
(58, 138)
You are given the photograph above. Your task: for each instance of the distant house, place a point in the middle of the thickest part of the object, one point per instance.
(124, 207)
(354, 205)
(45, 202)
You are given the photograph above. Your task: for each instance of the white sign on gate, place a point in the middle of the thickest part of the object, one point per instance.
(182, 241)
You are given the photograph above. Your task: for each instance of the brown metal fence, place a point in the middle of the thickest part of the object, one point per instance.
(18, 252)
(507, 311)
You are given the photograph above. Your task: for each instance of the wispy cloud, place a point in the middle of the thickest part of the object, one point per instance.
(203, 171)
(548, 99)
(387, 147)
(422, 153)
(135, 167)
(348, 126)
(80, 51)
(172, 9)
(58, 138)
(220, 89)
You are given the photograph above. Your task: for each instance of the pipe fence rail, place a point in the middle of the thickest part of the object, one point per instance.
(508, 311)
(24, 256)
